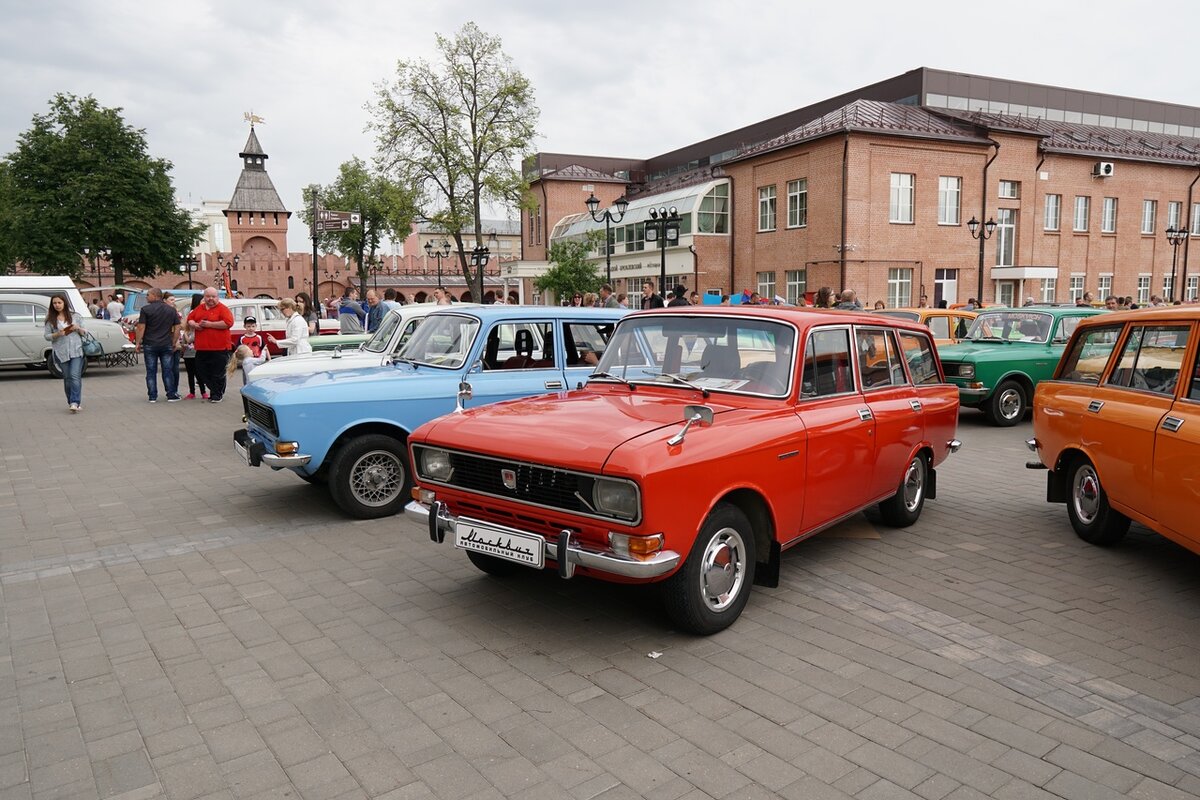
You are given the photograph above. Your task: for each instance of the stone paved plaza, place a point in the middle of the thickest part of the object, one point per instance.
(178, 625)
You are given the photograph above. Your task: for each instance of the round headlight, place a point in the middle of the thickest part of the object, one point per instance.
(618, 498)
(966, 371)
(435, 464)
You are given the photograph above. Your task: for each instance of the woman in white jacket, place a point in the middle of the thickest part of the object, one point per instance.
(296, 338)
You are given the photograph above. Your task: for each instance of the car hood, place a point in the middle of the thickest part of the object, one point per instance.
(313, 362)
(579, 428)
(349, 385)
(969, 351)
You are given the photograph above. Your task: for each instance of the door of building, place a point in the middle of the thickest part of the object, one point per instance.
(945, 286)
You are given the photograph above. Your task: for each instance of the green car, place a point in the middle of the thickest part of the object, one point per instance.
(1006, 352)
(346, 341)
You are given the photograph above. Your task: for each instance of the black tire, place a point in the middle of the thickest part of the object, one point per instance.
(369, 477)
(52, 366)
(904, 507)
(710, 590)
(496, 567)
(1007, 405)
(1087, 506)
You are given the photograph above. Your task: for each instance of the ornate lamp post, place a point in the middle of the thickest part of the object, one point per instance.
(230, 265)
(95, 254)
(188, 264)
(1175, 237)
(621, 206)
(663, 227)
(982, 234)
(438, 253)
(480, 256)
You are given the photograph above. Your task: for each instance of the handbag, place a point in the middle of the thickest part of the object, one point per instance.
(91, 346)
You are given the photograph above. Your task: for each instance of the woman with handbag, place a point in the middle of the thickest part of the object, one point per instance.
(66, 338)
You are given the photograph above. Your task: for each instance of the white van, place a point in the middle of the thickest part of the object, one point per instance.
(47, 286)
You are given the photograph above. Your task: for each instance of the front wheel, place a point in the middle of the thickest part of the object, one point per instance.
(369, 477)
(710, 590)
(904, 507)
(1091, 516)
(1007, 405)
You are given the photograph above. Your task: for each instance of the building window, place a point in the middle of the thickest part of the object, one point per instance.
(1105, 287)
(1006, 236)
(714, 211)
(900, 205)
(797, 284)
(1174, 214)
(1049, 289)
(1076, 291)
(291, 282)
(1010, 190)
(1053, 212)
(1149, 214)
(949, 200)
(537, 223)
(797, 203)
(1083, 206)
(1193, 287)
(1143, 292)
(1108, 217)
(899, 288)
(1195, 219)
(766, 285)
(766, 208)
(1167, 287)
(635, 237)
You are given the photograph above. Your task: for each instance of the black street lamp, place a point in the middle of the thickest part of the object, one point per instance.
(663, 228)
(621, 205)
(230, 265)
(188, 264)
(1175, 237)
(97, 253)
(982, 234)
(438, 253)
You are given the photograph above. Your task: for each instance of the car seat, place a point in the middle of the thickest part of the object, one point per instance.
(523, 348)
(720, 361)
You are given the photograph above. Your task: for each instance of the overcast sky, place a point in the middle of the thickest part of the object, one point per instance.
(612, 78)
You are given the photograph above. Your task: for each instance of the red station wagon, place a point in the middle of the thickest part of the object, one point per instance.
(707, 441)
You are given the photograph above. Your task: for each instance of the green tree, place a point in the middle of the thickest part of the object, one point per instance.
(8, 254)
(82, 178)
(570, 270)
(456, 132)
(386, 208)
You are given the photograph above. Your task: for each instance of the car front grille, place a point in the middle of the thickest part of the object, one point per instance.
(261, 415)
(951, 368)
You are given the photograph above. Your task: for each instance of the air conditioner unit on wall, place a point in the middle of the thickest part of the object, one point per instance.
(1103, 169)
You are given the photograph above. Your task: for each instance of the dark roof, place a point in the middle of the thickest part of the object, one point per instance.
(577, 172)
(873, 116)
(252, 148)
(254, 190)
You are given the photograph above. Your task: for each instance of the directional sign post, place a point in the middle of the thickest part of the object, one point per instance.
(326, 221)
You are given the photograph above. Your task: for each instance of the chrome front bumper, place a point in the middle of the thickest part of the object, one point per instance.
(965, 394)
(440, 521)
(254, 453)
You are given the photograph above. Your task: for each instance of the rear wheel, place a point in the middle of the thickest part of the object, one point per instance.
(52, 366)
(710, 590)
(1007, 405)
(369, 477)
(1091, 516)
(904, 507)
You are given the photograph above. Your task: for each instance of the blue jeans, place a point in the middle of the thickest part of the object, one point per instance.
(169, 358)
(72, 371)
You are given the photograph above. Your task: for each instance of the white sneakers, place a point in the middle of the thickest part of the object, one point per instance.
(75, 408)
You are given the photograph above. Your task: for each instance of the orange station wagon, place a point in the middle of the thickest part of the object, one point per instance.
(949, 325)
(1119, 426)
(707, 441)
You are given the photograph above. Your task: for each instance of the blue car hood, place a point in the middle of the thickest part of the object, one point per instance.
(362, 383)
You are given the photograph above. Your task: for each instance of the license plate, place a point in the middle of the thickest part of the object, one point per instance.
(523, 548)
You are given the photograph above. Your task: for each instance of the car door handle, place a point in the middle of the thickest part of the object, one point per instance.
(554, 384)
(916, 404)
(1095, 406)
(864, 414)
(1172, 424)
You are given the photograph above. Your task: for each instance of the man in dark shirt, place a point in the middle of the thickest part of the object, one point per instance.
(158, 340)
(678, 297)
(649, 298)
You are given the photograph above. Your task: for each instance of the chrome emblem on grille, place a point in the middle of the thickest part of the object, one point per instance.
(509, 477)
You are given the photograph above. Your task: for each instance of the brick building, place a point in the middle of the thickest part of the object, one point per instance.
(873, 189)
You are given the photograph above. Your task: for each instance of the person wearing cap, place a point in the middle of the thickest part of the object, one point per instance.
(257, 342)
(679, 297)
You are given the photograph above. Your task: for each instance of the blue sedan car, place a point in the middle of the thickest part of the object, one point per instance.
(350, 428)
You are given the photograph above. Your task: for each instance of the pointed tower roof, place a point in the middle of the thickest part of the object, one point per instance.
(254, 191)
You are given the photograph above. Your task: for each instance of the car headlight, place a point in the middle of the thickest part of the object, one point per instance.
(435, 464)
(966, 370)
(618, 498)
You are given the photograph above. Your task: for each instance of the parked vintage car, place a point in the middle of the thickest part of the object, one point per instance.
(1119, 426)
(22, 334)
(708, 440)
(266, 313)
(379, 350)
(949, 325)
(350, 428)
(1006, 353)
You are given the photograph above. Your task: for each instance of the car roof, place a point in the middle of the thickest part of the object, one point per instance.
(1188, 313)
(1057, 311)
(800, 317)
(11, 297)
(488, 313)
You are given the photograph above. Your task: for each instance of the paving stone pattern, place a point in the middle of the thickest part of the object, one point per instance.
(177, 625)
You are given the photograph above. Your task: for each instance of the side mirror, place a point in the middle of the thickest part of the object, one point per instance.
(463, 395)
(475, 368)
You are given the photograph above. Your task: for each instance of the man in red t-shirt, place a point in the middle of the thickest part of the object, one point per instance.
(211, 320)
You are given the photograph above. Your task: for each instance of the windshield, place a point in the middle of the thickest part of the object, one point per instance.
(383, 334)
(727, 354)
(442, 340)
(1011, 326)
(911, 316)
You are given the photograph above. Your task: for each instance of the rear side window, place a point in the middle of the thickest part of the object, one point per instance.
(1151, 359)
(878, 361)
(827, 364)
(1085, 361)
(918, 352)
(21, 312)
(940, 326)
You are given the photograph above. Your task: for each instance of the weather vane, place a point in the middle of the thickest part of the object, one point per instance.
(252, 118)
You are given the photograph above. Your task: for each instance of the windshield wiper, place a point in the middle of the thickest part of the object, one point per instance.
(406, 360)
(616, 378)
(680, 379)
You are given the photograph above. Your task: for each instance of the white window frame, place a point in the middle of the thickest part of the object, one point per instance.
(1006, 237)
(949, 200)
(899, 287)
(1076, 290)
(766, 208)
(1143, 290)
(1049, 289)
(1195, 219)
(1083, 210)
(1174, 214)
(1166, 287)
(1104, 287)
(1108, 216)
(1053, 215)
(1149, 215)
(1010, 190)
(901, 198)
(766, 284)
(796, 284)
(797, 203)
(1193, 287)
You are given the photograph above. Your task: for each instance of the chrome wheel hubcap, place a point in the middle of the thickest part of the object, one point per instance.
(723, 569)
(376, 478)
(1086, 494)
(914, 484)
(1010, 403)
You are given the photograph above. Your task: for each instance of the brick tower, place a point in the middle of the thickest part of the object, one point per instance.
(257, 220)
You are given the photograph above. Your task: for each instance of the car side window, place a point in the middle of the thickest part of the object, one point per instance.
(878, 363)
(406, 334)
(270, 313)
(1151, 359)
(1194, 389)
(940, 326)
(586, 342)
(827, 364)
(19, 312)
(1085, 361)
(922, 363)
(520, 345)
(1066, 326)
